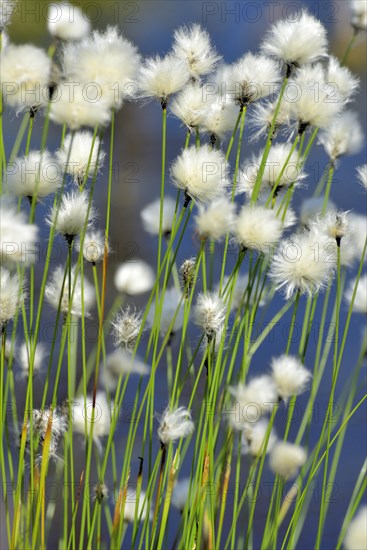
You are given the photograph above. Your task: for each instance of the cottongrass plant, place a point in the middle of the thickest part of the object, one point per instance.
(158, 418)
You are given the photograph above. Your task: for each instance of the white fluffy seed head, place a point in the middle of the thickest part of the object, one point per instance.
(258, 228)
(333, 225)
(172, 312)
(82, 416)
(81, 155)
(219, 117)
(126, 328)
(282, 169)
(180, 493)
(286, 459)
(93, 246)
(360, 300)
(73, 214)
(134, 509)
(106, 61)
(161, 77)
(362, 175)
(119, 363)
(254, 437)
(18, 238)
(356, 536)
(202, 173)
(313, 102)
(210, 313)
(290, 376)
(150, 216)
(25, 357)
(344, 136)
(253, 77)
(312, 207)
(303, 263)
(6, 11)
(175, 424)
(252, 401)
(38, 174)
(189, 106)
(342, 81)
(297, 41)
(67, 22)
(135, 277)
(193, 45)
(82, 295)
(263, 114)
(217, 219)
(11, 295)
(78, 105)
(359, 18)
(25, 74)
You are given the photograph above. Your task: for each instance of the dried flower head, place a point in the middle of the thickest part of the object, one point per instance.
(126, 328)
(187, 272)
(175, 424)
(161, 77)
(286, 459)
(53, 420)
(73, 214)
(135, 277)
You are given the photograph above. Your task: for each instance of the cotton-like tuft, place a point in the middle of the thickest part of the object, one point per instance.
(343, 83)
(11, 295)
(252, 401)
(81, 156)
(217, 219)
(202, 173)
(344, 136)
(193, 45)
(290, 376)
(362, 175)
(93, 246)
(254, 436)
(360, 300)
(18, 238)
(82, 417)
(161, 77)
(82, 293)
(286, 459)
(6, 12)
(73, 214)
(258, 228)
(356, 536)
(171, 312)
(150, 216)
(67, 22)
(175, 424)
(210, 314)
(359, 21)
(126, 328)
(296, 41)
(120, 363)
(135, 277)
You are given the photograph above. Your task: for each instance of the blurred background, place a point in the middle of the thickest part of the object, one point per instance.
(235, 27)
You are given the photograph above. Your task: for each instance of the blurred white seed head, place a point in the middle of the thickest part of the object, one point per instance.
(67, 22)
(150, 216)
(254, 437)
(77, 105)
(360, 300)
(217, 219)
(343, 83)
(298, 41)
(253, 77)
(290, 376)
(312, 207)
(332, 225)
(36, 174)
(47, 419)
(192, 45)
(210, 313)
(362, 175)
(175, 424)
(6, 11)
(303, 263)
(83, 416)
(81, 294)
(80, 157)
(135, 277)
(252, 401)
(126, 328)
(263, 114)
(107, 61)
(161, 77)
(119, 363)
(356, 536)
(25, 74)
(282, 169)
(172, 312)
(358, 226)
(93, 246)
(344, 136)
(219, 117)
(180, 493)
(25, 357)
(11, 295)
(73, 214)
(258, 228)
(18, 238)
(359, 18)
(286, 459)
(202, 173)
(136, 508)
